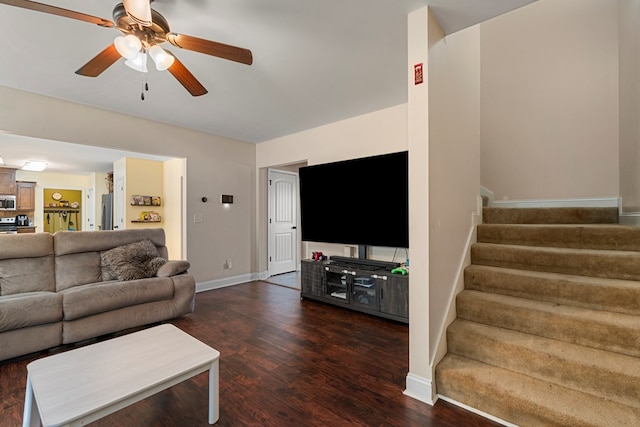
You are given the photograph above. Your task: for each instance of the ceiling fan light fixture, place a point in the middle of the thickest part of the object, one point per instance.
(162, 59)
(139, 63)
(139, 11)
(128, 46)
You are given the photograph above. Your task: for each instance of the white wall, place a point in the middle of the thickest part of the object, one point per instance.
(216, 165)
(629, 91)
(549, 100)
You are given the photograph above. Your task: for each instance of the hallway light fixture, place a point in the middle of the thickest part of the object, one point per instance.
(34, 165)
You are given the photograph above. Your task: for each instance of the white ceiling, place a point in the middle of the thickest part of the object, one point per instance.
(314, 62)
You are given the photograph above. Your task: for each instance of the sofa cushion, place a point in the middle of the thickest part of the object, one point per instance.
(86, 300)
(136, 260)
(77, 269)
(29, 309)
(26, 263)
(73, 242)
(27, 275)
(173, 267)
(32, 245)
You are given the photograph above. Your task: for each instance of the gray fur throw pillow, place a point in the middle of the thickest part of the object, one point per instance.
(136, 260)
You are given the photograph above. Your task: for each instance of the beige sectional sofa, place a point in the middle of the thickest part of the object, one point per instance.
(75, 285)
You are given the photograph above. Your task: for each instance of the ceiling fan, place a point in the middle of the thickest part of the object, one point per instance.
(143, 29)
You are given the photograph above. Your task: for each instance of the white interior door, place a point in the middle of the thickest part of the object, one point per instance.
(283, 222)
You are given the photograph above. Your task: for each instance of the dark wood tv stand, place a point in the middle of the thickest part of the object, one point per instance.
(363, 285)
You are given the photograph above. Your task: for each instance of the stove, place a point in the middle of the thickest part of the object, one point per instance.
(8, 226)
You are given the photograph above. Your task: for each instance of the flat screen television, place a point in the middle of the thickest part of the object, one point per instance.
(362, 201)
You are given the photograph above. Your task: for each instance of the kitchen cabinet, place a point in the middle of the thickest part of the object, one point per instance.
(7, 181)
(25, 195)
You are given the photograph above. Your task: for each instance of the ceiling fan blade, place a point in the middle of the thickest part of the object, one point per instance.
(188, 80)
(53, 10)
(212, 48)
(100, 62)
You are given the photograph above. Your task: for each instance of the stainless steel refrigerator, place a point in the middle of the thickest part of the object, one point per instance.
(107, 212)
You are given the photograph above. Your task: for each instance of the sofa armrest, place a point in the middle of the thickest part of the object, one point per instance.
(172, 268)
(185, 293)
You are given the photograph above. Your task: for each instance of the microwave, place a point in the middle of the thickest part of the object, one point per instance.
(7, 203)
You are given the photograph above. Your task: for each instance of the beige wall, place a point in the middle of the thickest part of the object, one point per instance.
(380, 132)
(144, 178)
(629, 52)
(549, 101)
(454, 165)
(216, 165)
(419, 376)
(174, 173)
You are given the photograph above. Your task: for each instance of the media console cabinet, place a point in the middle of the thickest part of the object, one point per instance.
(363, 285)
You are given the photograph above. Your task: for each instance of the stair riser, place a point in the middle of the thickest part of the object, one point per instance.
(609, 376)
(601, 294)
(615, 238)
(605, 264)
(550, 216)
(620, 335)
(526, 401)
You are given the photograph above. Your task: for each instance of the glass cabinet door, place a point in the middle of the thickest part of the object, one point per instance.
(365, 291)
(338, 283)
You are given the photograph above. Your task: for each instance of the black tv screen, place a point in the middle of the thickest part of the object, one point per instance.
(362, 201)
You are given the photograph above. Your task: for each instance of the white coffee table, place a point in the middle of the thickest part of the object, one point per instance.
(82, 385)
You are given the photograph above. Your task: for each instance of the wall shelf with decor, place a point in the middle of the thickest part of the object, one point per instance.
(139, 200)
(148, 216)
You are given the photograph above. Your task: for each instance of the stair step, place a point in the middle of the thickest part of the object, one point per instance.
(602, 330)
(550, 215)
(603, 237)
(526, 401)
(619, 296)
(601, 373)
(624, 265)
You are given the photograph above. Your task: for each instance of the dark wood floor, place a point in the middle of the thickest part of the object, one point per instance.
(283, 362)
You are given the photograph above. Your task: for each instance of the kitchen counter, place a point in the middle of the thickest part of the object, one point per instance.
(26, 229)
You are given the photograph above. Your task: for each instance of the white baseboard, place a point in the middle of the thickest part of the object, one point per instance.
(419, 388)
(227, 281)
(629, 218)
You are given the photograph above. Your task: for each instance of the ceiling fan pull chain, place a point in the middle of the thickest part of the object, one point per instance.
(145, 87)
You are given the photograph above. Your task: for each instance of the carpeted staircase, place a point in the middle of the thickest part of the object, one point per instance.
(548, 326)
